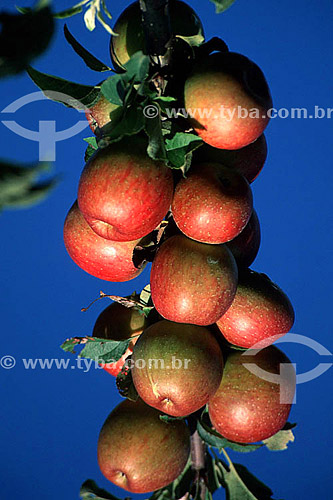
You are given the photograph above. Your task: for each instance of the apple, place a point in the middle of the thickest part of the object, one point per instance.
(212, 204)
(138, 451)
(123, 194)
(193, 282)
(98, 115)
(249, 160)
(228, 99)
(245, 246)
(247, 407)
(177, 367)
(118, 322)
(130, 35)
(104, 259)
(260, 313)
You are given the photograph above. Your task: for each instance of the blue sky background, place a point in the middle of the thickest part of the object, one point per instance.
(50, 419)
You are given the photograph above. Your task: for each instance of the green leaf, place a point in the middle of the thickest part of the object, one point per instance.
(90, 17)
(72, 95)
(156, 146)
(89, 491)
(124, 121)
(164, 98)
(114, 89)
(23, 37)
(91, 61)
(194, 40)
(241, 484)
(99, 350)
(92, 142)
(137, 67)
(168, 418)
(72, 11)
(222, 5)
(280, 440)
(214, 439)
(91, 149)
(19, 187)
(125, 384)
(107, 12)
(105, 25)
(180, 146)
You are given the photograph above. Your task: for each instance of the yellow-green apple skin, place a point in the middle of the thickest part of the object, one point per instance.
(212, 204)
(177, 367)
(260, 313)
(104, 259)
(193, 282)
(130, 35)
(229, 99)
(138, 451)
(248, 406)
(123, 194)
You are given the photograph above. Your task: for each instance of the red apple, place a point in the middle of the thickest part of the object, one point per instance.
(177, 367)
(246, 245)
(98, 115)
(123, 194)
(260, 313)
(213, 204)
(138, 451)
(249, 160)
(118, 322)
(228, 98)
(192, 282)
(250, 406)
(104, 259)
(130, 35)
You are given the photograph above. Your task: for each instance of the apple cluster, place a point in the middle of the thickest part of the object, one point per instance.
(206, 298)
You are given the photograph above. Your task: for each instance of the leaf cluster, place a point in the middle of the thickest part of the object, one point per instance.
(19, 185)
(24, 36)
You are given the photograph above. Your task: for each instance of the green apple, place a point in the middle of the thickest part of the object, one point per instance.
(177, 367)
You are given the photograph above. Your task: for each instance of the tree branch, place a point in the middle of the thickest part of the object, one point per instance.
(198, 456)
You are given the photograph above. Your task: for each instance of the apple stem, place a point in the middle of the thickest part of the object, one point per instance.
(198, 456)
(157, 28)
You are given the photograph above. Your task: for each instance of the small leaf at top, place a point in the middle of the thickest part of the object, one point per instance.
(222, 5)
(91, 61)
